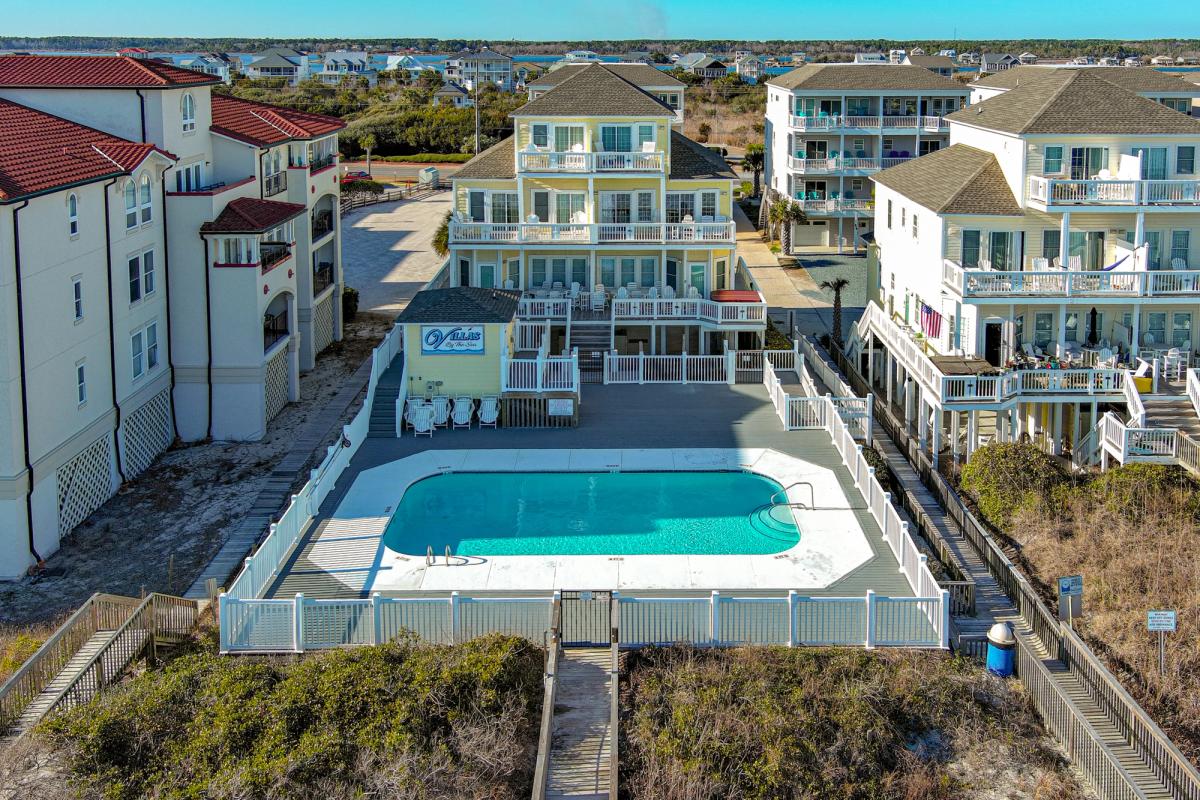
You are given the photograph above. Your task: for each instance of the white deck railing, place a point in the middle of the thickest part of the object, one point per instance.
(816, 166)
(1064, 283)
(868, 122)
(591, 233)
(1193, 389)
(1101, 192)
(697, 309)
(541, 374)
(839, 206)
(1133, 401)
(544, 161)
(683, 368)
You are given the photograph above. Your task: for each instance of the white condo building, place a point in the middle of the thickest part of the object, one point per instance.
(171, 262)
(831, 126)
(1041, 271)
(474, 68)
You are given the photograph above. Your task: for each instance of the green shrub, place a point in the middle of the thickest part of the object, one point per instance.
(1006, 477)
(1131, 490)
(427, 158)
(424, 720)
(349, 303)
(15, 651)
(362, 187)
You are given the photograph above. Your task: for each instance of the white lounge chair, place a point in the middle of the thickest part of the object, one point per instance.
(622, 293)
(410, 407)
(1179, 264)
(1041, 264)
(489, 411)
(668, 292)
(693, 293)
(463, 407)
(422, 420)
(441, 410)
(653, 293)
(598, 298)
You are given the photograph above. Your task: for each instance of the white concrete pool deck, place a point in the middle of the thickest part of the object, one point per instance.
(349, 552)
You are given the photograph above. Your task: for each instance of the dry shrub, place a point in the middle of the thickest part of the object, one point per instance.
(823, 723)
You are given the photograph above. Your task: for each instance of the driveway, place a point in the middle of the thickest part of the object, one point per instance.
(387, 250)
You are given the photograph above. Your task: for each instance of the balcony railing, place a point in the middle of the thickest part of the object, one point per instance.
(274, 184)
(818, 166)
(832, 206)
(275, 328)
(592, 233)
(1064, 283)
(322, 224)
(322, 277)
(853, 122)
(1100, 192)
(321, 162)
(271, 253)
(645, 310)
(546, 161)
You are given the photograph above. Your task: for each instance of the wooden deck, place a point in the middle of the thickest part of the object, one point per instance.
(581, 749)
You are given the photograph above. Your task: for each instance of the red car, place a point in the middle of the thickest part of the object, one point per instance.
(359, 175)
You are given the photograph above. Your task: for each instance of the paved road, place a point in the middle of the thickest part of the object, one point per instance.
(387, 252)
(388, 172)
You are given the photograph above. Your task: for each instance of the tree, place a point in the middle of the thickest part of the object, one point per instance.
(790, 213)
(441, 237)
(836, 285)
(755, 161)
(368, 142)
(704, 131)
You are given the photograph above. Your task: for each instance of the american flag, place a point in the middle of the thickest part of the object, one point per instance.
(931, 322)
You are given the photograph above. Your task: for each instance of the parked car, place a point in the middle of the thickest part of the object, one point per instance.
(357, 175)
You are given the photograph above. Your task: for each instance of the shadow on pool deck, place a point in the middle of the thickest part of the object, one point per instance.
(626, 416)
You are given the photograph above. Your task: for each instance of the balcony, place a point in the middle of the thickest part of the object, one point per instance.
(832, 166)
(856, 123)
(969, 283)
(322, 224)
(318, 163)
(585, 162)
(275, 329)
(270, 254)
(592, 233)
(322, 277)
(1066, 194)
(835, 207)
(274, 184)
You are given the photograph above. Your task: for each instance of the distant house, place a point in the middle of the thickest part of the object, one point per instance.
(338, 65)
(799, 58)
(414, 65)
(636, 57)
(1027, 58)
(1162, 61)
(948, 53)
(917, 51)
(870, 58)
(1083, 61)
(134, 52)
(279, 63)
(997, 62)
(751, 67)
(1110, 61)
(1133, 61)
(703, 65)
(451, 94)
(525, 71)
(486, 66)
(217, 64)
(941, 65)
(580, 56)
(898, 56)
(970, 59)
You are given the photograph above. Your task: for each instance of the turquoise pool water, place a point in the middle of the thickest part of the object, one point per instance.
(591, 513)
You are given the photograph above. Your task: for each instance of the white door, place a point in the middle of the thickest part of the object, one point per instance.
(814, 234)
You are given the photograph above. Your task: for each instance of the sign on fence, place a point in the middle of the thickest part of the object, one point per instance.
(560, 407)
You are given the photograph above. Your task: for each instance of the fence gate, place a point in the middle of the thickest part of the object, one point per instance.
(591, 365)
(586, 618)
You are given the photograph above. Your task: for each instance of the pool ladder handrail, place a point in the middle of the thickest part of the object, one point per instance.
(812, 494)
(431, 559)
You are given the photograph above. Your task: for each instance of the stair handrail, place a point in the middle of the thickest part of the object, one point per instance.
(811, 492)
(1193, 389)
(1133, 401)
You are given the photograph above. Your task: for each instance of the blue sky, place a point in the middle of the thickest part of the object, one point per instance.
(607, 19)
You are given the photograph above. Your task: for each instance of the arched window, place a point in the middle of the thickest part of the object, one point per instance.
(73, 214)
(131, 215)
(188, 107)
(146, 198)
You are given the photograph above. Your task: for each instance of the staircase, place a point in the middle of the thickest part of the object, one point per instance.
(1172, 412)
(383, 409)
(580, 765)
(593, 340)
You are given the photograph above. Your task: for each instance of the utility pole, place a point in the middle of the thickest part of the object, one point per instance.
(475, 86)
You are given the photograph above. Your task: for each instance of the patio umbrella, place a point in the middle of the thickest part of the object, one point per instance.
(1093, 335)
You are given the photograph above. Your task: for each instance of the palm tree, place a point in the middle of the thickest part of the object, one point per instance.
(836, 285)
(441, 237)
(775, 216)
(754, 161)
(790, 213)
(368, 143)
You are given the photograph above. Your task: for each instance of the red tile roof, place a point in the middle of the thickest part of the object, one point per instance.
(261, 124)
(251, 215)
(43, 152)
(96, 72)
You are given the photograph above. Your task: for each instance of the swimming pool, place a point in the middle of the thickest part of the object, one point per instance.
(592, 513)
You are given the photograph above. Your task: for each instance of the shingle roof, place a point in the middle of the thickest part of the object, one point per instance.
(642, 75)
(595, 91)
(449, 88)
(693, 160)
(262, 124)
(43, 152)
(931, 61)
(958, 179)
(461, 304)
(252, 215)
(1075, 102)
(498, 162)
(867, 77)
(1135, 79)
(273, 60)
(108, 72)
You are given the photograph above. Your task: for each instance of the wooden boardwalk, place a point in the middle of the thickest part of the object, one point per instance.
(580, 763)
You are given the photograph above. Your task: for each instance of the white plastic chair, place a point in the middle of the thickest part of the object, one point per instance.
(598, 298)
(422, 420)
(1075, 263)
(668, 292)
(1041, 264)
(693, 293)
(648, 147)
(1179, 264)
(441, 410)
(463, 406)
(410, 407)
(653, 293)
(1105, 359)
(1173, 363)
(622, 293)
(489, 411)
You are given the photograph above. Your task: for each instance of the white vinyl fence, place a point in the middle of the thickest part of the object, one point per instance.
(260, 569)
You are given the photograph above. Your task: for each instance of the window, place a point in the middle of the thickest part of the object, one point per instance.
(857, 184)
(616, 139)
(1156, 327)
(628, 271)
(645, 134)
(541, 134)
(135, 279)
(889, 215)
(914, 226)
(708, 205)
(190, 178)
(80, 383)
(73, 214)
(567, 137)
(152, 345)
(1043, 326)
(1181, 330)
(649, 272)
(645, 206)
(1051, 243)
(541, 206)
(138, 355)
(475, 205)
(903, 217)
(1185, 159)
(579, 271)
(145, 198)
(1000, 250)
(131, 214)
(558, 270)
(614, 207)
(1180, 244)
(680, 205)
(188, 108)
(1153, 247)
(608, 270)
(1052, 159)
(537, 272)
(970, 249)
(568, 205)
(77, 296)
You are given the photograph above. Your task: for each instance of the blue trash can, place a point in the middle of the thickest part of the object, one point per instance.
(1001, 649)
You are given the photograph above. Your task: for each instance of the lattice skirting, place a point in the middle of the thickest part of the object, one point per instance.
(147, 432)
(84, 483)
(322, 323)
(276, 383)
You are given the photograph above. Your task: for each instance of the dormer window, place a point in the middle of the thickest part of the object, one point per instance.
(188, 112)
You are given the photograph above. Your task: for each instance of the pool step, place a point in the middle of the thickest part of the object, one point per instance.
(765, 522)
